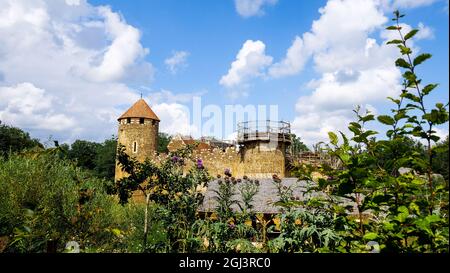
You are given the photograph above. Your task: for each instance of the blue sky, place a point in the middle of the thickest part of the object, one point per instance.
(92, 59)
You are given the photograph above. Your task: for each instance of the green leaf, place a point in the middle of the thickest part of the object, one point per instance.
(394, 42)
(403, 214)
(400, 62)
(404, 50)
(370, 236)
(367, 118)
(387, 120)
(333, 138)
(396, 101)
(427, 89)
(410, 34)
(421, 58)
(393, 28)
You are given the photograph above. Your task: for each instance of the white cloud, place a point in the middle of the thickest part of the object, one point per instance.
(395, 4)
(425, 32)
(124, 50)
(354, 68)
(28, 105)
(248, 8)
(293, 63)
(175, 119)
(74, 56)
(177, 61)
(250, 63)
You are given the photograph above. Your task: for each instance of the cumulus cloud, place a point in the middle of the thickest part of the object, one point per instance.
(294, 61)
(395, 4)
(248, 8)
(175, 119)
(177, 61)
(354, 68)
(70, 64)
(28, 105)
(250, 62)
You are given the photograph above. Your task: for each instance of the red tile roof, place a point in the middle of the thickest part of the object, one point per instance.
(140, 109)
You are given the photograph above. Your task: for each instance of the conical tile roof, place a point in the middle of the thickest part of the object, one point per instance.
(140, 109)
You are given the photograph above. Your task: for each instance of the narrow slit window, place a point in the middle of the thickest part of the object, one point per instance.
(141, 120)
(135, 147)
(128, 120)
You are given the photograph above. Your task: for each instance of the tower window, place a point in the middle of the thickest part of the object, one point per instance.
(135, 147)
(141, 120)
(128, 120)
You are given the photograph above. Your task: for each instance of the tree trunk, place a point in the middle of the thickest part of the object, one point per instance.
(147, 200)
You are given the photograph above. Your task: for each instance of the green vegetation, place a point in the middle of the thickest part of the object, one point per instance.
(15, 140)
(391, 192)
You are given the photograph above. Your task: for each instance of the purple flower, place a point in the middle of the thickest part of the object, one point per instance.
(175, 159)
(200, 164)
(231, 225)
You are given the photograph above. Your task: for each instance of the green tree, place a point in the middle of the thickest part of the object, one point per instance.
(163, 141)
(297, 145)
(84, 153)
(105, 160)
(13, 139)
(440, 162)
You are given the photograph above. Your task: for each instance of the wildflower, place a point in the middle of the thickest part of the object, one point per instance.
(231, 225)
(200, 164)
(175, 159)
(205, 242)
(201, 189)
(277, 223)
(298, 222)
(315, 176)
(248, 223)
(257, 245)
(227, 172)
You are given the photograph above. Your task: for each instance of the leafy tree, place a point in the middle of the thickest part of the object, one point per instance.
(105, 160)
(297, 145)
(13, 139)
(176, 195)
(369, 197)
(84, 153)
(440, 162)
(163, 141)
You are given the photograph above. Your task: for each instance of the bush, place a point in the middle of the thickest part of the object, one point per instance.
(47, 201)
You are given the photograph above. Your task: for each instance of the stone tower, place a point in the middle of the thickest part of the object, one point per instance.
(138, 132)
(264, 148)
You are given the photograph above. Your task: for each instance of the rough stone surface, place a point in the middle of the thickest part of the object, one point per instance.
(144, 136)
